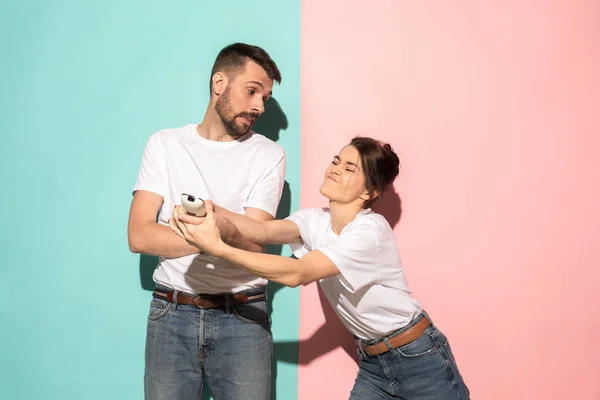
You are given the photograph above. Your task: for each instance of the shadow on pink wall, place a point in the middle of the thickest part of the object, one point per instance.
(333, 334)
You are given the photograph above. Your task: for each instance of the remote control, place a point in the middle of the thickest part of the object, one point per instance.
(193, 205)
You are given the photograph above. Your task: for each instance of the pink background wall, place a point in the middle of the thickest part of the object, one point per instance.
(492, 107)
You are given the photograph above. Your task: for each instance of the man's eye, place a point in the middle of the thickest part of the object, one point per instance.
(334, 162)
(251, 91)
(349, 170)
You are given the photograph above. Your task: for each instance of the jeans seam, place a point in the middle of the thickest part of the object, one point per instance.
(449, 368)
(386, 372)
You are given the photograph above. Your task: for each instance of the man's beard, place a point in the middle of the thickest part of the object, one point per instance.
(224, 109)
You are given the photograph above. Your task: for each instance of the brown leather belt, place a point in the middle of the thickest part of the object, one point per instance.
(405, 337)
(209, 300)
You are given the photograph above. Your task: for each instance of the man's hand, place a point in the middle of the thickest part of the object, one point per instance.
(204, 233)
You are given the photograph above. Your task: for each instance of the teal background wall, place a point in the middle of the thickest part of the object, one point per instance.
(83, 85)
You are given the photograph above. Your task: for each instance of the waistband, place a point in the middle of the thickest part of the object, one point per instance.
(401, 337)
(223, 301)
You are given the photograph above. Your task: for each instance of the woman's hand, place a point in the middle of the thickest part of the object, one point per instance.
(201, 232)
(178, 212)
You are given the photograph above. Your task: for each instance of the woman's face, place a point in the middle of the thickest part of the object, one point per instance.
(344, 180)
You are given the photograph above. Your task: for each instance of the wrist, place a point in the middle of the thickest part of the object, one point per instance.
(221, 249)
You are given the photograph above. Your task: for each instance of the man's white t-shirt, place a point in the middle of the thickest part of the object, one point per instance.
(370, 294)
(236, 175)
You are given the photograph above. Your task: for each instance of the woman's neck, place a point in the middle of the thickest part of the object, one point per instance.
(342, 215)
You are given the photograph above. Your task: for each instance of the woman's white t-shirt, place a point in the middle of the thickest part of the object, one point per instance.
(370, 294)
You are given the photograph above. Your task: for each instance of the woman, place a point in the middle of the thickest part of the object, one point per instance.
(352, 252)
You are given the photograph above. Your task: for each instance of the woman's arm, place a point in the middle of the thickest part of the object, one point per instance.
(284, 270)
(259, 232)
(287, 271)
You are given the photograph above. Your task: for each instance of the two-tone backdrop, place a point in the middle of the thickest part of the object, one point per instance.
(491, 107)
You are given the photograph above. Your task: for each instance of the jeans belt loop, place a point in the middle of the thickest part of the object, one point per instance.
(227, 304)
(175, 292)
(361, 347)
(389, 346)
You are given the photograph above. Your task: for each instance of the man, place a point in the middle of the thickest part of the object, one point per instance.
(208, 320)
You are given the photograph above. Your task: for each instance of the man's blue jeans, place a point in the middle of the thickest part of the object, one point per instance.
(424, 369)
(229, 348)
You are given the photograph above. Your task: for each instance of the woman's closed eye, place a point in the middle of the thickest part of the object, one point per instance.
(349, 169)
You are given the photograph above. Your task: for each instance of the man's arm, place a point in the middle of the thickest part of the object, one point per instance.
(233, 237)
(146, 236)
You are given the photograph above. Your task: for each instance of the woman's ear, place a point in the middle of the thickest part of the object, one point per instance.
(365, 196)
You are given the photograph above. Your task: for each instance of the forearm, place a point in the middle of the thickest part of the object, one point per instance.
(283, 270)
(253, 230)
(159, 240)
(235, 238)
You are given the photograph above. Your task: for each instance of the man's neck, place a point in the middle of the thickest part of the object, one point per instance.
(212, 128)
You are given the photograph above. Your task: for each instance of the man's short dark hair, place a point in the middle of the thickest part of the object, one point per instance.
(233, 58)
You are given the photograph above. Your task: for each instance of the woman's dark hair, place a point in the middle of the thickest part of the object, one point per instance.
(380, 165)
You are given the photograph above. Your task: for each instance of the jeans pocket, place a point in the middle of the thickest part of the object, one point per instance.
(252, 313)
(158, 309)
(423, 346)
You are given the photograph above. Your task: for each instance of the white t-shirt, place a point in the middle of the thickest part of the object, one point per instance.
(370, 294)
(235, 175)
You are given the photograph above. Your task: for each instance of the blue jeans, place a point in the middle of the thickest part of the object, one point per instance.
(424, 369)
(231, 349)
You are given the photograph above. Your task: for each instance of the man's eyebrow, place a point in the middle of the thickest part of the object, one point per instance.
(270, 93)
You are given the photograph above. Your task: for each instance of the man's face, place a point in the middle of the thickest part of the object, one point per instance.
(243, 100)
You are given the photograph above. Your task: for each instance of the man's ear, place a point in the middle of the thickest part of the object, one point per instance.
(219, 83)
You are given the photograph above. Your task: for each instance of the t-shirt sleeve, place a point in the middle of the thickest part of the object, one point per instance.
(303, 220)
(355, 254)
(266, 194)
(152, 175)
